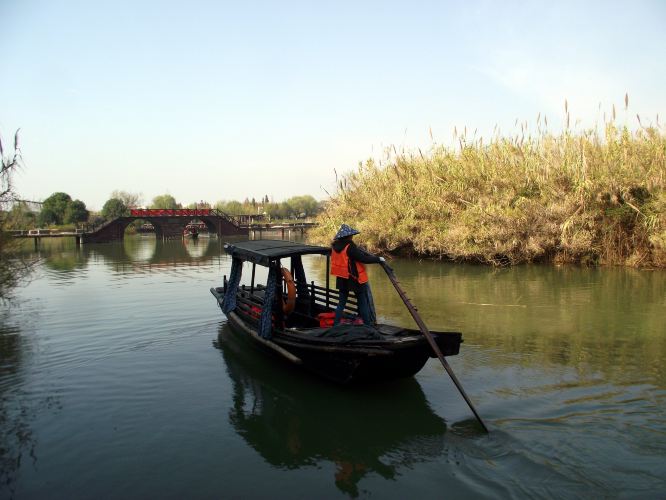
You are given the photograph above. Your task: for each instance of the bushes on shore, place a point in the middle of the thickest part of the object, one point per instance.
(590, 197)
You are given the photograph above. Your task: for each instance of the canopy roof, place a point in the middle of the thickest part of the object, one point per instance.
(264, 251)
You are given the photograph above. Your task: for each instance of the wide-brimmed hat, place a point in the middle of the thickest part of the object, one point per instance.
(345, 231)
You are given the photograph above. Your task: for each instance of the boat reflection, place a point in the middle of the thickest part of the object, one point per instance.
(295, 420)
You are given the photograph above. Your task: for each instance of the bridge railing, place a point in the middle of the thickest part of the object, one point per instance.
(166, 212)
(234, 220)
(183, 212)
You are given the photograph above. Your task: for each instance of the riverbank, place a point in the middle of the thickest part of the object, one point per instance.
(579, 197)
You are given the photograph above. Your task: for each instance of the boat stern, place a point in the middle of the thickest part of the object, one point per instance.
(448, 343)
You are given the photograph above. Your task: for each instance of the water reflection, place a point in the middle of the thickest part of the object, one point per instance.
(604, 322)
(197, 247)
(64, 263)
(139, 249)
(17, 440)
(133, 253)
(293, 420)
(146, 251)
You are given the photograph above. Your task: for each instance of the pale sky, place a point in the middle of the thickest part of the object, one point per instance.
(222, 100)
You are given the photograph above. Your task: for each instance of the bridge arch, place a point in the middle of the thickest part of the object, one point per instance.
(139, 228)
(168, 224)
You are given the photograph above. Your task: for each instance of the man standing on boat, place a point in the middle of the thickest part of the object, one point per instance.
(347, 264)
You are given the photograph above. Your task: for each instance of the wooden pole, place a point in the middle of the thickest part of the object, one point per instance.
(424, 330)
(328, 280)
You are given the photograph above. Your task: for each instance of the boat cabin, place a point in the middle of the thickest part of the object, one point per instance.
(303, 302)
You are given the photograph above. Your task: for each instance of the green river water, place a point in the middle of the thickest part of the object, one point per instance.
(119, 378)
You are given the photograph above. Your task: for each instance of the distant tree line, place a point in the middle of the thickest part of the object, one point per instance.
(296, 206)
(60, 209)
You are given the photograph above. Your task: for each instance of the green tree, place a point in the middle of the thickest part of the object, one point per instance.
(164, 201)
(76, 211)
(273, 210)
(130, 200)
(53, 209)
(113, 208)
(303, 206)
(198, 205)
(47, 216)
(96, 220)
(20, 216)
(278, 210)
(286, 210)
(232, 207)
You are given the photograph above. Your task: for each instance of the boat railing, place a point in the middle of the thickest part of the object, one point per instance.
(330, 297)
(250, 301)
(249, 305)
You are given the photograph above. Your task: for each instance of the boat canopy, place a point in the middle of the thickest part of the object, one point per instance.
(262, 252)
(268, 253)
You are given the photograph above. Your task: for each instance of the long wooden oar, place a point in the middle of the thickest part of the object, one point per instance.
(424, 330)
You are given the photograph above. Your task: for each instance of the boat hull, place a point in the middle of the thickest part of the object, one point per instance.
(342, 363)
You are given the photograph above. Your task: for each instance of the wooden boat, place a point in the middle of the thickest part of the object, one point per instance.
(287, 318)
(191, 231)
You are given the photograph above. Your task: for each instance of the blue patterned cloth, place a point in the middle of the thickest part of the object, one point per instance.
(266, 318)
(346, 230)
(302, 291)
(229, 302)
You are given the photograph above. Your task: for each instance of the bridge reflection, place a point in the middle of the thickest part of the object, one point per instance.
(133, 252)
(149, 252)
(138, 252)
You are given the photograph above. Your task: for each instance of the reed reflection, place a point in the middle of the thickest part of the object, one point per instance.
(294, 420)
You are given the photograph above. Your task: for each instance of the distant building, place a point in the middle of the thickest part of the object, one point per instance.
(250, 218)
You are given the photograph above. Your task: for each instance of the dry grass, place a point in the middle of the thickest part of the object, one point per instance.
(590, 197)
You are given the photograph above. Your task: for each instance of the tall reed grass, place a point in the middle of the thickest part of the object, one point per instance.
(591, 196)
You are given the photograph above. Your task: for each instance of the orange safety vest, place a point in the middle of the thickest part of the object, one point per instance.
(340, 266)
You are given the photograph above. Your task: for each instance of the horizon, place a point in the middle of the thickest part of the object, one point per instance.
(159, 98)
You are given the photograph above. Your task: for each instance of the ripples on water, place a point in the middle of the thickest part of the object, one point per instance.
(120, 378)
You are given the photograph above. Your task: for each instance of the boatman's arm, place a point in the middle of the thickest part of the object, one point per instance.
(361, 255)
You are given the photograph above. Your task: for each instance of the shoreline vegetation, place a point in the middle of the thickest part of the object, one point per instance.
(589, 197)
(13, 268)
